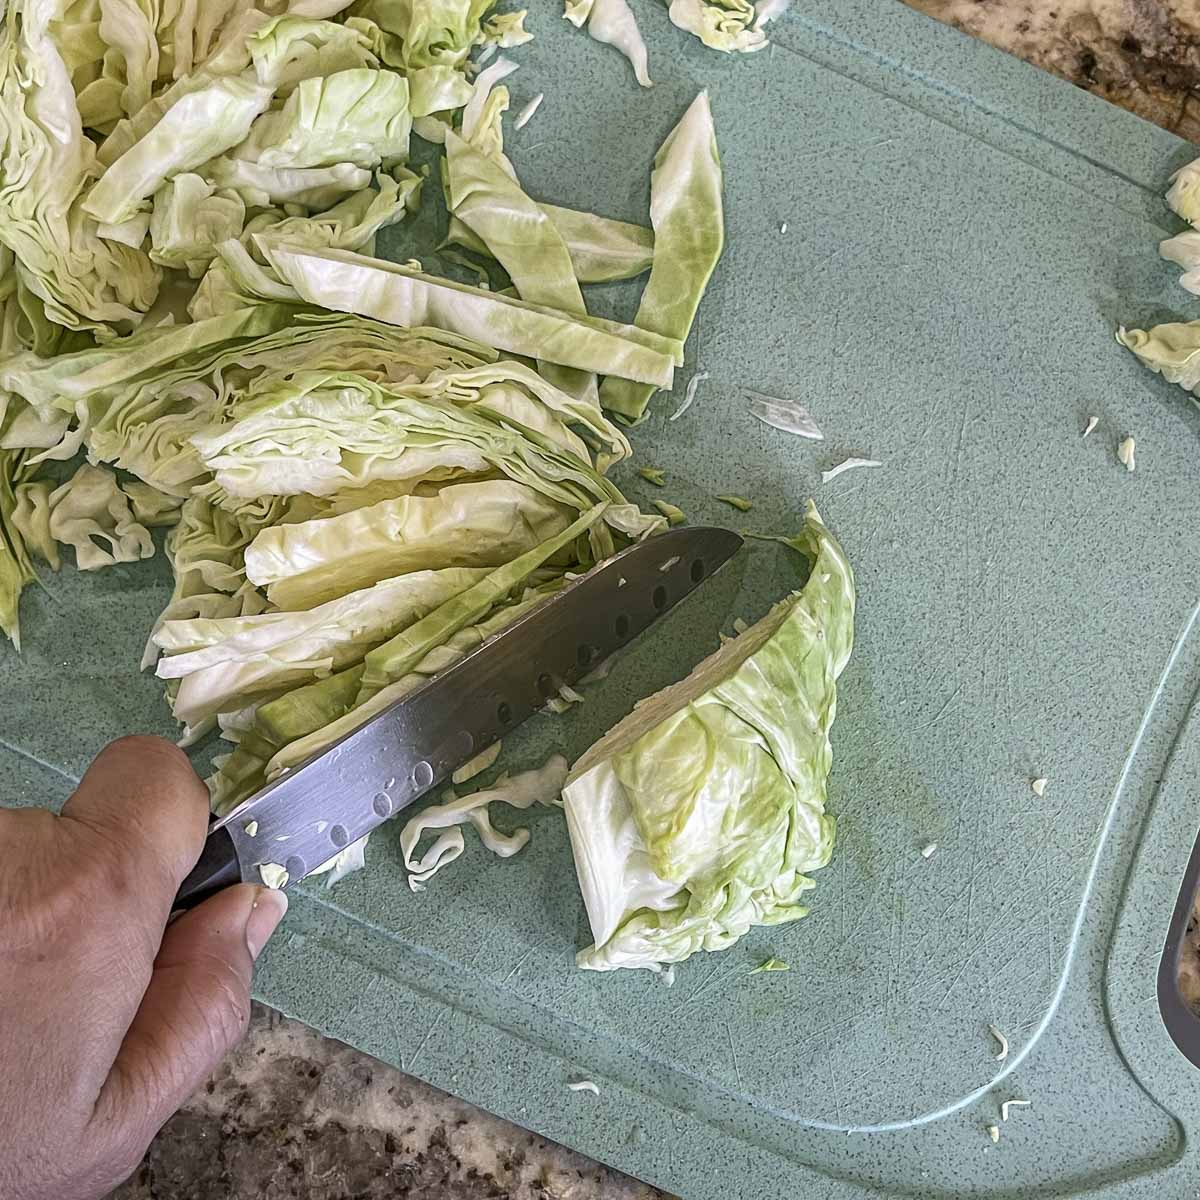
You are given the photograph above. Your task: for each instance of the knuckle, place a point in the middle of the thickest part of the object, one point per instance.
(49, 890)
(146, 748)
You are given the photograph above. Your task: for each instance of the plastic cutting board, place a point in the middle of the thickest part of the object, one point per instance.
(963, 234)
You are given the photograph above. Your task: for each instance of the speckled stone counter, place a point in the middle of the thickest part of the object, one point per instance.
(1141, 54)
(293, 1114)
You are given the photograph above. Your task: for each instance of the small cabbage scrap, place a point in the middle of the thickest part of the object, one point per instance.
(344, 862)
(702, 813)
(1171, 350)
(528, 109)
(1184, 193)
(613, 23)
(770, 965)
(848, 464)
(477, 765)
(507, 30)
(726, 25)
(738, 502)
(1184, 251)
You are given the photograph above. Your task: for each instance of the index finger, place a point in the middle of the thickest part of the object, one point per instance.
(142, 797)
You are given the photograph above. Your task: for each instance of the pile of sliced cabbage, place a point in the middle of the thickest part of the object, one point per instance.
(367, 468)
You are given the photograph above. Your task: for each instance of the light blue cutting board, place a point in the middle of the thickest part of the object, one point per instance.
(963, 234)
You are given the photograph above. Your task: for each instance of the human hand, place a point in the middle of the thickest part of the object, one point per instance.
(110, 1018)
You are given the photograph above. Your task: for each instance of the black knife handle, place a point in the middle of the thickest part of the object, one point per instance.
(216, 868)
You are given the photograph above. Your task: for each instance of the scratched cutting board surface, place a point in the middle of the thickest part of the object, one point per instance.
(963, 234)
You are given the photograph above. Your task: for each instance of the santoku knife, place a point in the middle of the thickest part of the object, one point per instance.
(336, 797)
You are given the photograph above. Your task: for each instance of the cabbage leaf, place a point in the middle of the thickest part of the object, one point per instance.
(1171, 350)
(222, 663)
(464, 525)
(199, 126)
(358, 116)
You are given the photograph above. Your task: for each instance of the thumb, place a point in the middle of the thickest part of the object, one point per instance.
(194, 1011)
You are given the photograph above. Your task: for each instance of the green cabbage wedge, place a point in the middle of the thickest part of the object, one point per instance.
(703, 812)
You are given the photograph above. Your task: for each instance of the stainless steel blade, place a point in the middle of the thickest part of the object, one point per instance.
(304, 818)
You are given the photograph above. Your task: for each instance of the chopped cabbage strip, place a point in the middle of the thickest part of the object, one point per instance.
(389, 292)
(689, 233)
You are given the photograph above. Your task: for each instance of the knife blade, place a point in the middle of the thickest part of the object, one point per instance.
(308, 815)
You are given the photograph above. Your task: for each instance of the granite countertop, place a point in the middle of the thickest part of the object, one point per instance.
(293, 1114)
(1141, 54)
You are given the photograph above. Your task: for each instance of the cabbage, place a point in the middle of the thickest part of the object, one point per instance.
(16, 570)
(189, 220)
(68, 274)
(1171, 350)
(199, 126)
(613, 23)
(464, 525)
(89, 509)
(702, 813)
(689, 233)
(1184, 193)
(404, 296)
(224, 662)
(354, 499)
(726, 25)
(359, 116)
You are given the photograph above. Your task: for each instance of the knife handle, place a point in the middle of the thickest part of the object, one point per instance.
(217, 868)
